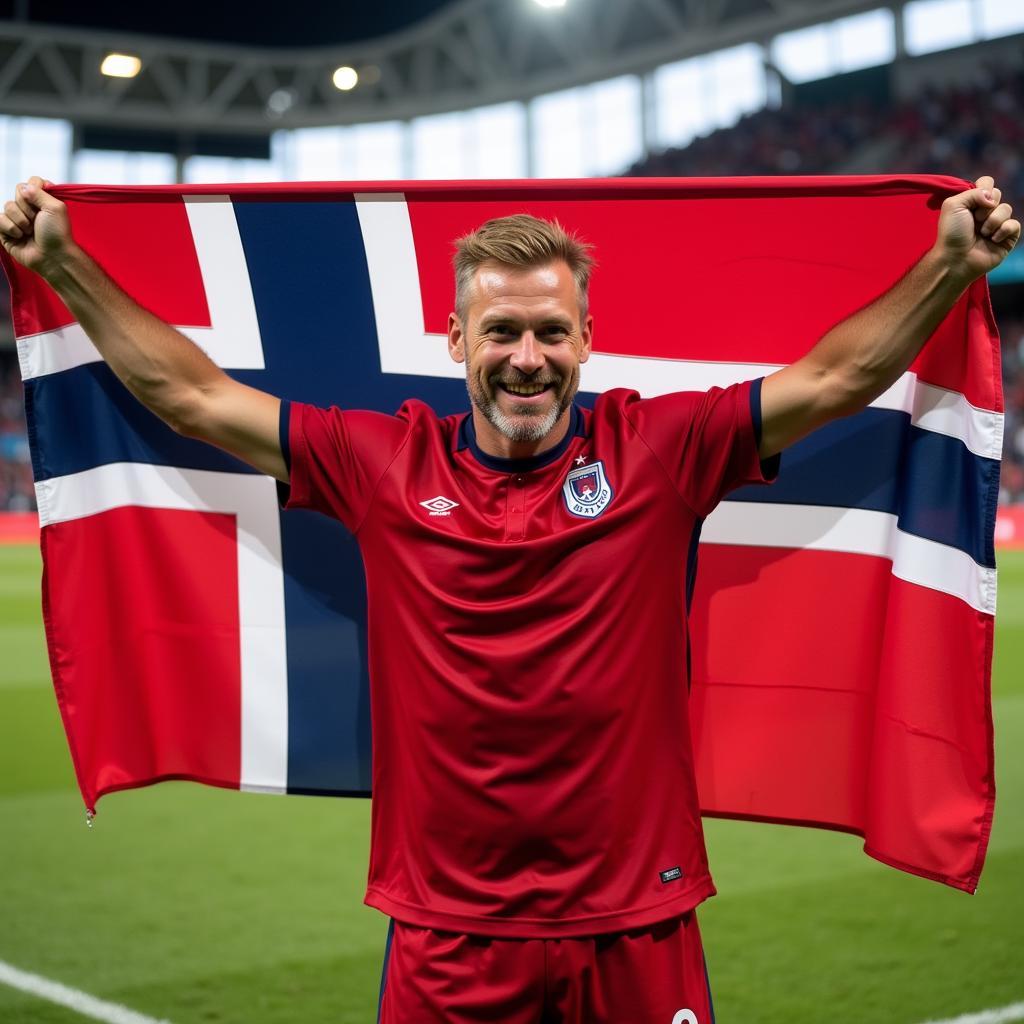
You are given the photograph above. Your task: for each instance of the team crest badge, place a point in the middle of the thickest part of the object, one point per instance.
(587, 491)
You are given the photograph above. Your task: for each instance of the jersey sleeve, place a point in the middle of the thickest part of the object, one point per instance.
(706, 441)
(337, 458)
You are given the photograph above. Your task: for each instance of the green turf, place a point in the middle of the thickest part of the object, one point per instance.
(1008, 657)
(199, 905)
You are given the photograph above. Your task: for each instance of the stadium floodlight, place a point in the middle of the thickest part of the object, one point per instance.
(120, 65)
(280, 102)
(345, 78)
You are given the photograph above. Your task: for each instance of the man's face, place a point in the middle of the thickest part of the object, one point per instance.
(522, 342)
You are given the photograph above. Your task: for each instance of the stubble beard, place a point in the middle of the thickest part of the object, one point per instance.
(529, 424)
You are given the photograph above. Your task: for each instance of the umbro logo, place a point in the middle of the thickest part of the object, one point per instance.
(440, 506)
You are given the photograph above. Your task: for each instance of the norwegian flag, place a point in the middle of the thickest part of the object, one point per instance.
(842, 620)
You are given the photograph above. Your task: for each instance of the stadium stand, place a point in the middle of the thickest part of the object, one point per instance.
(16, 491)
(954, 130)
(1012, 482)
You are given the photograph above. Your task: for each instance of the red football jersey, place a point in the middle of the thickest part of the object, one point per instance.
(532, 767)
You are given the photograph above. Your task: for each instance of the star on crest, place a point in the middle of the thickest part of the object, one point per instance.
(580, 459)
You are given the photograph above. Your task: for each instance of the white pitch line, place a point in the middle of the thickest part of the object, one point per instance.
(80, 1002)
(1001, 1016)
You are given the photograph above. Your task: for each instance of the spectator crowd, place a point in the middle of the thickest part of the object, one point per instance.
(964, 130)
(16, 491)
(1011, 330)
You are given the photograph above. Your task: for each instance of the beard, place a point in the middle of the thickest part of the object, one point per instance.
(527, 423)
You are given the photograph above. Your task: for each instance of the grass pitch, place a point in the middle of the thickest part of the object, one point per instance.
(200, 905)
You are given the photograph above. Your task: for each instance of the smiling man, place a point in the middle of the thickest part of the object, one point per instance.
(536, 836)
(522, 329)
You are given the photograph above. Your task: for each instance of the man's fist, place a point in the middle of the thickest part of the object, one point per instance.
(976, 230)
(34, 227)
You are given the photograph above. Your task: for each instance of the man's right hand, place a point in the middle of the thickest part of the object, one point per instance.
(34, 227)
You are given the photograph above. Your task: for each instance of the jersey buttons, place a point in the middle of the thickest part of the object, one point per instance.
(515, 515)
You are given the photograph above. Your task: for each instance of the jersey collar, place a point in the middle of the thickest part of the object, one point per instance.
(467, 439)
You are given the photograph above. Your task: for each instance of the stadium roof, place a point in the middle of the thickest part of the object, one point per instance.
(203, 73)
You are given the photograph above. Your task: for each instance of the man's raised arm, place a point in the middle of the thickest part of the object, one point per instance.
(165, 371)
(863, 356)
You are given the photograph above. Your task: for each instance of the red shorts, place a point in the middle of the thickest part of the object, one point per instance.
(653, 974)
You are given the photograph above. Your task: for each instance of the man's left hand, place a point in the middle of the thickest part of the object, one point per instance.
(976, 230)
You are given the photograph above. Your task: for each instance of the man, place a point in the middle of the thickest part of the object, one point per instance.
(536, 834)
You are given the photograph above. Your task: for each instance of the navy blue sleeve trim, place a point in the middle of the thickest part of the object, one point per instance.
(770, 466)
(284, 490)
(755, 408)
(283, 422)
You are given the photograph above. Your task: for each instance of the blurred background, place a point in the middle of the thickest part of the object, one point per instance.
(156, 908)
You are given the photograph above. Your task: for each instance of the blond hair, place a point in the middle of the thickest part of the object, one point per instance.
(519, 241)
